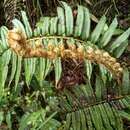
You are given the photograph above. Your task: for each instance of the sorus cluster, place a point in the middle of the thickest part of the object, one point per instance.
(17, 41)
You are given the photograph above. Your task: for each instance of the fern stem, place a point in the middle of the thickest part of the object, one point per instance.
(54, 37)
(97, 103)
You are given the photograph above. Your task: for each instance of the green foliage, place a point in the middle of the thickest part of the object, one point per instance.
(98, 109)
(99, 103)
(27, 110)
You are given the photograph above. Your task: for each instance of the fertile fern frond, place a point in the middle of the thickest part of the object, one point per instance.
(99, 103)
(68, 29)
(22, 47)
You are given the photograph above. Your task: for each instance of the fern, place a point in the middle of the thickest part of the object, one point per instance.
(88, 106)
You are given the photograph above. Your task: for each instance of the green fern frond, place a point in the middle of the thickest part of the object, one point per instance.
(87, 107)
(65, 27)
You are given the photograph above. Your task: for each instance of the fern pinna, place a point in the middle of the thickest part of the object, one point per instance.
(102, 101)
